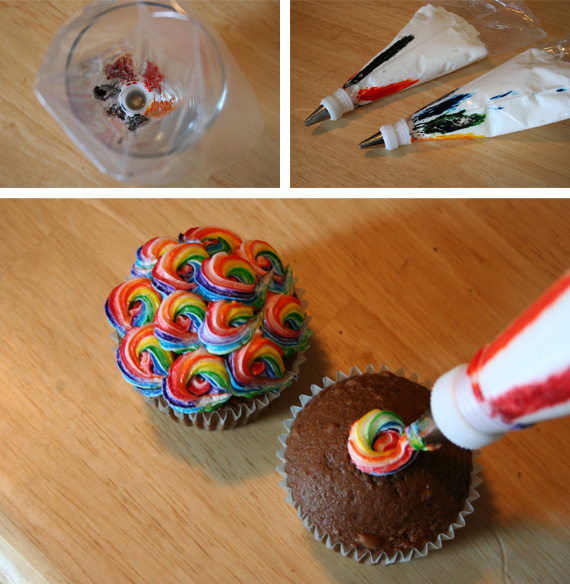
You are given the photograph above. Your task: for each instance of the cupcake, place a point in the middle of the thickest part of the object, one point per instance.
(376, 519)
(210, 327)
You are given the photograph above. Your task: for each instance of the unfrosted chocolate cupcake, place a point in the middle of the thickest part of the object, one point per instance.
(374, 518)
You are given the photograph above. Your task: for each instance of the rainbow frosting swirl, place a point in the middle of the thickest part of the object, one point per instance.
(214, 239)
(228, 325)
(258, 367)
(177, 268)
(263, 259)
(132, 303)
(178, 320)
(149, 253)
(142, 361)
(197, 381)
(230, 277)
(285, 323)
(378, 445)
(214, 319)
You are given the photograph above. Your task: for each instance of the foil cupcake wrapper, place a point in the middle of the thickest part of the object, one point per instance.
(228, 416)
(371, 557)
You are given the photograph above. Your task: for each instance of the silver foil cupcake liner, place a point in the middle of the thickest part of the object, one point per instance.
(229, 415)
(371, 557)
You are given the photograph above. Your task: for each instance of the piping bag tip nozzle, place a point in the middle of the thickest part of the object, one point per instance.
(319, 115)
(373, 141)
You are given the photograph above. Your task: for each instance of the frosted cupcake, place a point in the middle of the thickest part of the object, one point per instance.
(211, 328)
(376, 519)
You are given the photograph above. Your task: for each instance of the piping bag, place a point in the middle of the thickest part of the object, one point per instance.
(148, 91)
(530, 90)
(519, 379)
(442, 36)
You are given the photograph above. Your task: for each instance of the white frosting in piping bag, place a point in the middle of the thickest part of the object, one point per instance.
(441, 42)
(530, 90)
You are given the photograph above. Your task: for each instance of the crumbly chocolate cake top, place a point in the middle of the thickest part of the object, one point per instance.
(389, 513)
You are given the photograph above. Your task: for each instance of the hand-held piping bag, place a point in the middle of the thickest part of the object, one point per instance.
(521, 378)
(442, 36)
(530, 90)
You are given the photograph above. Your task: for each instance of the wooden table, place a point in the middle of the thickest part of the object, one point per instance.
(97, 486)
(36, 152)
(331, 40)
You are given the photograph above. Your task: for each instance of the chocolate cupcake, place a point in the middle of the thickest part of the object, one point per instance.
(377, 519)
(210, 327)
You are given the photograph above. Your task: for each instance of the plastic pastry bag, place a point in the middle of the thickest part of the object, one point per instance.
(528, 91)
(148, 91)
(441, 37)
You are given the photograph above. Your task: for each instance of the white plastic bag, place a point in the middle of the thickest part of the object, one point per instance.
(148, 91)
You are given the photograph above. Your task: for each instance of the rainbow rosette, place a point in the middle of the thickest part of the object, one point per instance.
(197, 381)
(258, 367)
(228, 325)
(142, 361)
(285, 323)
(378, 445)
(230, 277)
(214, 239)
(178, 320)
(264, 258)
(149, 253)
(177, 268)
(131, 304)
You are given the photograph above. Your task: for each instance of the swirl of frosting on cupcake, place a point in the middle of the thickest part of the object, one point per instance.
(178, 320)
(228, 325)
(214, 239)
(177, 268)
(197, 381)
(264, 258)
(378, 445)
(285, 323)
(258, 367)
(149, 253)
(132, 303)
(230, 277)
(142, 361)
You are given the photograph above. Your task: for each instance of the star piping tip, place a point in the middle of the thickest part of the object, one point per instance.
(319, 115)
(373, 141)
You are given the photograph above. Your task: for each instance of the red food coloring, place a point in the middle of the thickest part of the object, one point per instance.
(374, 93)
(123, 69)
(527, 399)
(153, 77)
(485, 354)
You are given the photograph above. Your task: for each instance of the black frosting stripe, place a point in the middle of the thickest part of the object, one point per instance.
(386, 55)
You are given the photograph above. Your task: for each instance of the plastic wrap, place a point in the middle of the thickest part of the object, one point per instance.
(503, 25)
(148, 91)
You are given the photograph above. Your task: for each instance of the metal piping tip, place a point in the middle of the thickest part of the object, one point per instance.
(373, 141)
(319, 115)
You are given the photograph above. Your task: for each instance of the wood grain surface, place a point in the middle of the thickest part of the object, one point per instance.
(331, 40)
(98, 487)
(36, 152)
